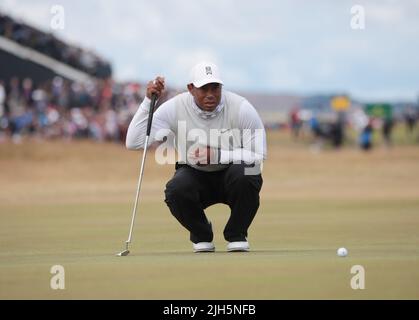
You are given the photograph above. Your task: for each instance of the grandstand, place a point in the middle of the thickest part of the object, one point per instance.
(51, 89)
(28, 52)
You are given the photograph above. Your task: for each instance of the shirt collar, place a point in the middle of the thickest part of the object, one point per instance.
(207, 114)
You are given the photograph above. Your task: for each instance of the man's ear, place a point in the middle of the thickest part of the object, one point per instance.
(190, 87)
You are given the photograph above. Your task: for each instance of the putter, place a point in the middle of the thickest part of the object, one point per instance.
(150, 119)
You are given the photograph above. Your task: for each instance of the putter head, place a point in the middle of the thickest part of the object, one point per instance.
(123, 253)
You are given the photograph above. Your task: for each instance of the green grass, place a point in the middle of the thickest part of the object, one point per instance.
(294, 253)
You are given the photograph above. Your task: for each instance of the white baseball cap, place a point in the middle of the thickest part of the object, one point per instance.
(204, 73)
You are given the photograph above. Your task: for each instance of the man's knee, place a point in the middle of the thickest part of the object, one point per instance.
(179, 189)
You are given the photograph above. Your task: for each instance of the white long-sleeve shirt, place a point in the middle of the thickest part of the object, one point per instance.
(165, 123)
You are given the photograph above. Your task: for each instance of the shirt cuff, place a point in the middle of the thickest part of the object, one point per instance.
(225, 156)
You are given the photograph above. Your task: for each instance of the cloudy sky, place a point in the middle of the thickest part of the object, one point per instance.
(293, 46)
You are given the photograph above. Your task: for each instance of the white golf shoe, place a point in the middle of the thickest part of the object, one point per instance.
(203, 247)
(238, 246)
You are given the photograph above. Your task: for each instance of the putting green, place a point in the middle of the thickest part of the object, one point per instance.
(70, 205)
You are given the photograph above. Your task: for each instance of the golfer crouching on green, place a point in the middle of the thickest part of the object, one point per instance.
(221, 144)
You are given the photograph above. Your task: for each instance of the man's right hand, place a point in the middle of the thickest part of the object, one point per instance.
(155, 87)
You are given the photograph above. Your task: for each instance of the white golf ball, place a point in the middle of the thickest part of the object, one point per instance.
(342, 252)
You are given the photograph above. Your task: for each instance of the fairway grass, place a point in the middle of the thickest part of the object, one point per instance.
(70, 205)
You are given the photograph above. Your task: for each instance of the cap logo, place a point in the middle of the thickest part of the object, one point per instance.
(208, 70)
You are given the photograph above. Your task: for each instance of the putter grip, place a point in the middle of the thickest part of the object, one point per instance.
(151, 112)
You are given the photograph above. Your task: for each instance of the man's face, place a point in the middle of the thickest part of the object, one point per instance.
(207, 97)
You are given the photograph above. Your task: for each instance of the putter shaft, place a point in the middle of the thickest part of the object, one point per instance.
(140, 179)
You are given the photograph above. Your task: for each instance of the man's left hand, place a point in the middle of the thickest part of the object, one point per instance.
(203, 156)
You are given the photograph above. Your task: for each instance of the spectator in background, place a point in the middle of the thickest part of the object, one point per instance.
(2, 99)
(365, 139)
(410, 117)
(387, 129)
(337, 130)
(110, 124)
(295, 122)
(360, 122)
(317, 132)
(27, 88)
(315, 126)
(4, 124)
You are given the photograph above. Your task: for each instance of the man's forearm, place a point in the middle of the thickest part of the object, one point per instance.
(240, 155)
(137, 129)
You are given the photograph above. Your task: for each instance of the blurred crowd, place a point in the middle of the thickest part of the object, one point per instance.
(100, 110)
(49, 45)
(332, 128)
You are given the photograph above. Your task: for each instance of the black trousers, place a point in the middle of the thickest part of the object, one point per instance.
(190, 191)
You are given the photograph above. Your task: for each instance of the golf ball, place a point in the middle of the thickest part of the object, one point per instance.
(342, 252)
